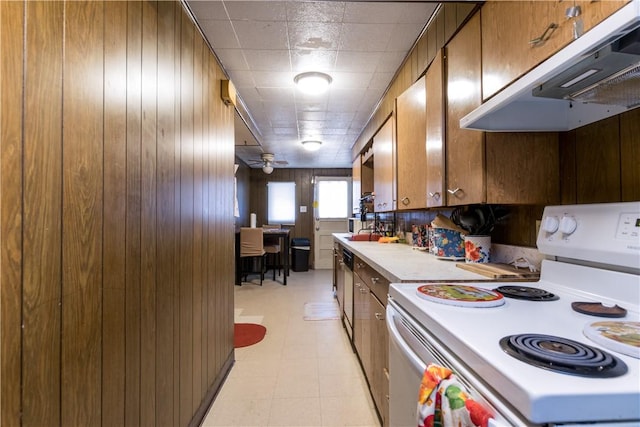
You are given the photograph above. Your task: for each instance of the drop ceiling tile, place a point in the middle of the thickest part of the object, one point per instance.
(261, 34)
(268, 60)
(207, 9)
(317, 11)
(243, 79)
(350, 60)
(232, 59)
(402, 36)
(312, 115)
(380, 80)
(280, 94)
(322, 35)
(257, 10)
(372, 13)
(273, 79)
(390, 61)
(313, 60)
(220, 34)
(365, 37)
(346, 81)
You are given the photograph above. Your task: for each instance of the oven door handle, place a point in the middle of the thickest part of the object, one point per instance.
(413, 358)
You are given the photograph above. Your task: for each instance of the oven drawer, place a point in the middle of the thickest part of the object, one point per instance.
(374, 280)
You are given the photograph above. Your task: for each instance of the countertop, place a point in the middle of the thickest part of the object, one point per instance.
(399, 262)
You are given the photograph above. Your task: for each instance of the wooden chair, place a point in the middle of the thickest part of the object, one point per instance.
(252, 252)
(273, 250)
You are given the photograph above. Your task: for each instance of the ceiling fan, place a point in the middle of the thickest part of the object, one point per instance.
(267, 160)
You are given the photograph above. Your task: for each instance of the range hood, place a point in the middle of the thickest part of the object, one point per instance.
(600, 71)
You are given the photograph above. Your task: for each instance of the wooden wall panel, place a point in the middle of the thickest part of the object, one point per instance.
(630, 155)
(598, 162)
(148, 239)
(114, 231)
(82, 163)
(185, 280)
(41, 305)
(11, 185)
(167, 225)
(132, 249)
(198, 215)
(117, 261)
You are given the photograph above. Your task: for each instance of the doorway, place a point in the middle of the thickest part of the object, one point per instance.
(332, 208)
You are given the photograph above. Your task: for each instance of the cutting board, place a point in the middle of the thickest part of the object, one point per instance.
(500, 271)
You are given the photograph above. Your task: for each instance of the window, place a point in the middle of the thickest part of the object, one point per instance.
(333, 198)
(281, 200)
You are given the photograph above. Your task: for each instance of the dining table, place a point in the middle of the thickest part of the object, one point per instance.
(283, 235)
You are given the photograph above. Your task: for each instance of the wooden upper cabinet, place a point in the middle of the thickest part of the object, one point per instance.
(518, 35)
(411, 147)
(435, 132)
(465, 175)
(384, 168)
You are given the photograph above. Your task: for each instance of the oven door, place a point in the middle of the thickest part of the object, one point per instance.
(411, 349)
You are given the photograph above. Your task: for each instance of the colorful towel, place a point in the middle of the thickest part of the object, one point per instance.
(444, 402)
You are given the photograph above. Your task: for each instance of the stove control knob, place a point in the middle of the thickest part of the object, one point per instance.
(568, 224)
(550, 224)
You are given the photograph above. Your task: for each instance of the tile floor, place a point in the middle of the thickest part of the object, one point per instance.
(304, 373)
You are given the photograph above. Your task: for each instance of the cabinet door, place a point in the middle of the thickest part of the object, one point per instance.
(379, 358)
(434, 82)
(464, 148)
(411, 146)
(510, 30)
(356, 184)
(338, 270)
(384, 168)
(361, 323)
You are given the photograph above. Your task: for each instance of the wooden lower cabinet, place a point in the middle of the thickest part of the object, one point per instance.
(370, 332)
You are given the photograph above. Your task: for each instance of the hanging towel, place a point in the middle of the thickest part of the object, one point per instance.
(444, 402)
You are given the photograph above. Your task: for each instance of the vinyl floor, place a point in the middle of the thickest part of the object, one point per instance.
(304, 372)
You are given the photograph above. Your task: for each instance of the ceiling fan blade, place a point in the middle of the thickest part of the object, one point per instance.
(281, 162)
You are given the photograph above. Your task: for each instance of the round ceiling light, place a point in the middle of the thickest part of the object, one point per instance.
(267, 168)
(311, 145)
(313, 82)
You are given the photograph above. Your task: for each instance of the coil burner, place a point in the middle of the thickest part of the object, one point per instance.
(563, 355)
(526, 293)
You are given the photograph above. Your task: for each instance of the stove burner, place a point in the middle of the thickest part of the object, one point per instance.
(563, 355)
(526, 293)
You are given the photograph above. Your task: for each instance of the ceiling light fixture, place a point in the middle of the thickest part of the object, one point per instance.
(267, 168)
(311, 145)
(313, 82)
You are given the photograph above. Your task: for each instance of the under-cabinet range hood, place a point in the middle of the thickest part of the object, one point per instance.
(594, 77)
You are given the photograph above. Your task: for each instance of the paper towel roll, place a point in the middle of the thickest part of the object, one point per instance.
(253, 220)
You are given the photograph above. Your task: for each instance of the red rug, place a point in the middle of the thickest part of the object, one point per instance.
(246, 334)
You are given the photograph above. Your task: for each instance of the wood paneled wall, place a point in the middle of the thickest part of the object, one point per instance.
(116, 215)
(256, 197)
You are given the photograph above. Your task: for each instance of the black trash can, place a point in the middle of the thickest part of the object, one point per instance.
(300, 248)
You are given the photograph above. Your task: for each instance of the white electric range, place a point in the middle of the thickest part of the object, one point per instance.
(593, 256)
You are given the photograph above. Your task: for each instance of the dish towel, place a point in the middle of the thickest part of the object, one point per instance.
(444, 402)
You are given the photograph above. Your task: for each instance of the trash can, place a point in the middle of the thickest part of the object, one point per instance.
(300, 248)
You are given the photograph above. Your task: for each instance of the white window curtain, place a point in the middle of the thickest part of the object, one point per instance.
(281, 201)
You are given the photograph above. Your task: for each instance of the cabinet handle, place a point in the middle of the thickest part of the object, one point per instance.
(379, 316)
(453, 191)
(545, 35)
(375, 280)
(405, 201)
(435, 195)
(358, 265)
(363, 290)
